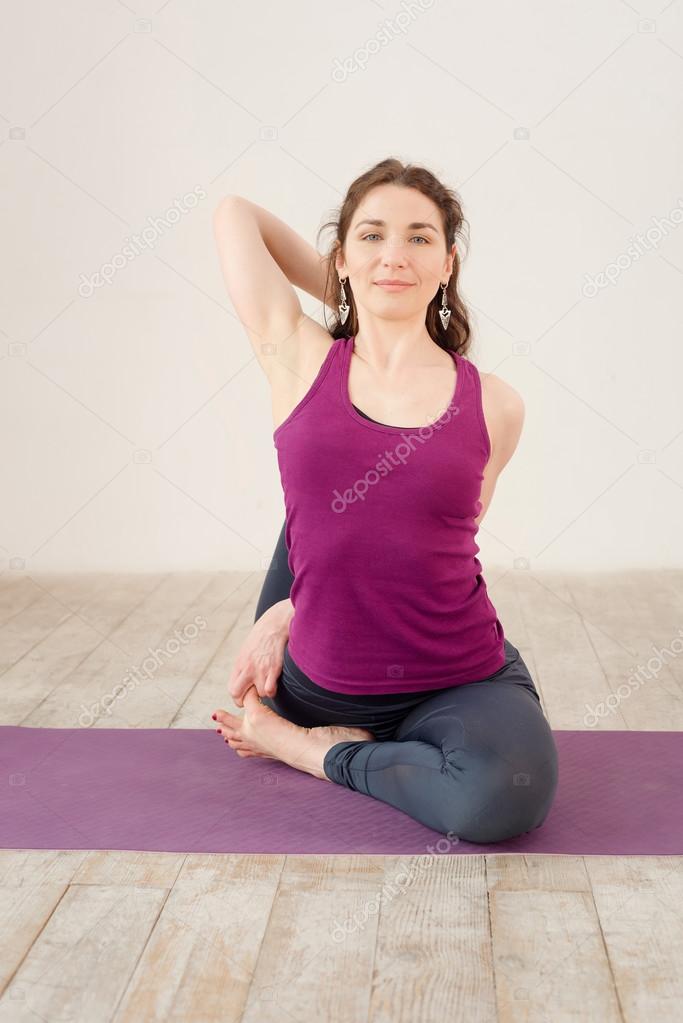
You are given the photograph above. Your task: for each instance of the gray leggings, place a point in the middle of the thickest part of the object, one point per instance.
(477, 761)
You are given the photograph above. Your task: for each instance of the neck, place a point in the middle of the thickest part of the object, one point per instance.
(393, 344)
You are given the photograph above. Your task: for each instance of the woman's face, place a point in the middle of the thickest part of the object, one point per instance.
(395, 234)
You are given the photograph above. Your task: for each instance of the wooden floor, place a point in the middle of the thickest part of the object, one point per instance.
(90, 936)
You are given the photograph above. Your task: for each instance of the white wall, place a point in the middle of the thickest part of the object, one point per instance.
(560, 126)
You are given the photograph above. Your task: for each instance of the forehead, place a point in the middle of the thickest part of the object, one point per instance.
(397, 207)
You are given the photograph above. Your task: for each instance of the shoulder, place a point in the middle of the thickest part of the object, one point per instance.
(503, 408)
(502, 398)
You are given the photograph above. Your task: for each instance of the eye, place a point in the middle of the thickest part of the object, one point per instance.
(375, 235)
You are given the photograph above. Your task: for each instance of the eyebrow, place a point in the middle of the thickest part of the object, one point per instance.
(417, 224)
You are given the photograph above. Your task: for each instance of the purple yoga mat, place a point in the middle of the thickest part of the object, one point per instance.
(185, 790)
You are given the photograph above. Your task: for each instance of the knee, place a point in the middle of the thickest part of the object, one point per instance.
(499, 800)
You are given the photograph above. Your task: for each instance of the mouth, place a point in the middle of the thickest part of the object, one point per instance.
(393, 285)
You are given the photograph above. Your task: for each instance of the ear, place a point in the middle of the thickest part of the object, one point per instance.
(340, 262)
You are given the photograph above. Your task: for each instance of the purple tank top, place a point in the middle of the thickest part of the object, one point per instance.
(388, 593)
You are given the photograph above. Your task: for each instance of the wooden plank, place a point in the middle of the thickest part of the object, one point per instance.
(433, 957)
(307, 958)
(569, 672)
(24, 912)
(53, 658)
(504, 596)
(81, 962)
(32, 882)
(80, 697)
(232, 621)
(157, 694)
(201, 956)
(638, 901)
(21, 632)
(656, 600)
(16, 594)
(625, 615)
(540, 873)
(549, 958)
(31, 867)
(123, 867)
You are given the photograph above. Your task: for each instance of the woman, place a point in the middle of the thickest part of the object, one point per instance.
(377, 660)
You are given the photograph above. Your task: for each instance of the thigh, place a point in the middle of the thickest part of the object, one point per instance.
(279, 579)
(475, 760)
(494, 728)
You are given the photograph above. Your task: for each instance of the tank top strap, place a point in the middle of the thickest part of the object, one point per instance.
(471, 398)
(326, 383)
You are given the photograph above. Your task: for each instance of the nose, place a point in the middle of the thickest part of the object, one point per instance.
(393, 253)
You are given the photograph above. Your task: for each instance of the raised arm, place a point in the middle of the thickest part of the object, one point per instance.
(263, 260)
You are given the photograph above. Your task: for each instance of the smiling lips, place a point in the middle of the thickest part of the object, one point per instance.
(391, 284)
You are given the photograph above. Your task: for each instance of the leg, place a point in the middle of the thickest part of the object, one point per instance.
(478, 760)
(279, 579)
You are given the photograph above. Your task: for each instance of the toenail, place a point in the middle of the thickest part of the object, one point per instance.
(214, 717)
(218, 730)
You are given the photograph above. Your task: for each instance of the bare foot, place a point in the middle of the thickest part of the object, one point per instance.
(260, 732)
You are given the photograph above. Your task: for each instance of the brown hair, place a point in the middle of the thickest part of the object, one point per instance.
(456, 337)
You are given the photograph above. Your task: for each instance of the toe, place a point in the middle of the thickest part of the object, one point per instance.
(225, 718)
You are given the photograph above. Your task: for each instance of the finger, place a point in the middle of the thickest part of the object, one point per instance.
(264, 686)
(237, 692)
(237, 675)
(261, 688)
(269, 684)
(234, 679)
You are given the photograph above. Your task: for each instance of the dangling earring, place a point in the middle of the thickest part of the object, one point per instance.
(343, 305)
(444, 311)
